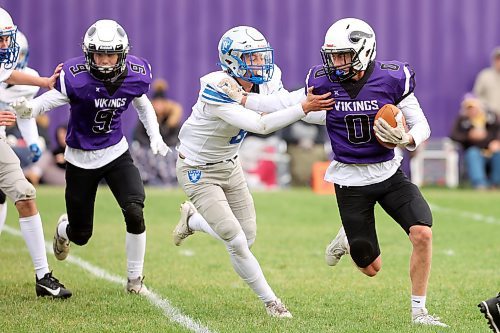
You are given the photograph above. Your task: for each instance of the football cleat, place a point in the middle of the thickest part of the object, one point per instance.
(491, 310)
(337, 248)
(182, 230)
(422, 317)
(60, 245)
(136, 286)
(50, 286)
(277, 309)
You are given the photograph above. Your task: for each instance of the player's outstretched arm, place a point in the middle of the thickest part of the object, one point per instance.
(18, 77)
(251, 121)
(43, 103)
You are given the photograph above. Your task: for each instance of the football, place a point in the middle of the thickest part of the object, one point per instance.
(388, 112)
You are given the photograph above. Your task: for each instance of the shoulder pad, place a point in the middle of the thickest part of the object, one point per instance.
(400, 76)
(275, 84)
(140, 68)
(210, 92)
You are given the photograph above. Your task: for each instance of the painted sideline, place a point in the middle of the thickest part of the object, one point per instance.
(170, 311)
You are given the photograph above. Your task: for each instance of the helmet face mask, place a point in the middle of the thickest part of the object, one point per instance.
(244, 53)
(24, 52)
(352, 43)
(9, 54)
(105, 37)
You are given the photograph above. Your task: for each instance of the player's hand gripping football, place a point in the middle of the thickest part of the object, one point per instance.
(232, 89)
(395, 135)
(159, 147)
(22, 108)
(317, 102)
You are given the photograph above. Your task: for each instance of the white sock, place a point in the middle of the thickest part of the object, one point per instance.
(32, 230)
(198, 223)
(136, 249)
(3, 215)
(61, 229)
(417, 303)
(247, 267)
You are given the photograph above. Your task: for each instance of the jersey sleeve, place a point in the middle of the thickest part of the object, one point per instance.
(406, 83)
(141, 69)
(64, 84)
(210, 92)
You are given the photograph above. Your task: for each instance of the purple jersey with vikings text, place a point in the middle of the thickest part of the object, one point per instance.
(96, 107)
(350, 123)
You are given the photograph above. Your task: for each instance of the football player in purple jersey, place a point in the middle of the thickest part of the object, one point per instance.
(363, 171)
(100, 86)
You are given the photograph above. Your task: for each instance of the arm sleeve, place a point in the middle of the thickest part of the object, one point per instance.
(28, 130)
(47, 101)
(318, 118)
(251, 121)
(274, 102)
(416, 120)
(147, 115)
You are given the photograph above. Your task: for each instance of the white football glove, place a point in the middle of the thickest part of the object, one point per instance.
(22, 109)
(159, 147)
(231, 88)
(395, 135)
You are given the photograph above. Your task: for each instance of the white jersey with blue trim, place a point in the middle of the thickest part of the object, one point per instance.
(10, 93)
(207, 138)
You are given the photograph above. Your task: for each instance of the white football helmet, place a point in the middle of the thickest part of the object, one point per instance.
(244, 44)
(24, 51)
(105, 36)
(8, 55)
(348, 36)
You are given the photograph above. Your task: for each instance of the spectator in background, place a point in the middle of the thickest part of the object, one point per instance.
(154, 169)
(305, 145)
(487, 85)
(476, 129)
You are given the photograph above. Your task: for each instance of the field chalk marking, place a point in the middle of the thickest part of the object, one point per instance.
(164, 304)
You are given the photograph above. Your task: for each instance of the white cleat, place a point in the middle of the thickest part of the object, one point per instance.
(277, 309)
(337, 248)
(60, 245)
(136, 286)
(422, 317)
(182, 230)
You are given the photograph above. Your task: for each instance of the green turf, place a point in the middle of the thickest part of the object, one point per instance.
(293, 229)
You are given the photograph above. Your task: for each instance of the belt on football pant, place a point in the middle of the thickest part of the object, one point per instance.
(182, 157)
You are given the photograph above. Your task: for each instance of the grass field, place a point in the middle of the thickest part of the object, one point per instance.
(293, 229)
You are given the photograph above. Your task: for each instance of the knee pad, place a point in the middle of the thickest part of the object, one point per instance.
(238, 245)
(79, 237)
(362, 252)
(250, 242)
(134, 218)
(25, 190)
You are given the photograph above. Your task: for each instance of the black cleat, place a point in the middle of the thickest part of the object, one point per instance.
(50, 286)
(491, 310)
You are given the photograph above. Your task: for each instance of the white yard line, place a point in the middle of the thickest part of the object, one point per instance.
(467, 216)
(170, 311)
